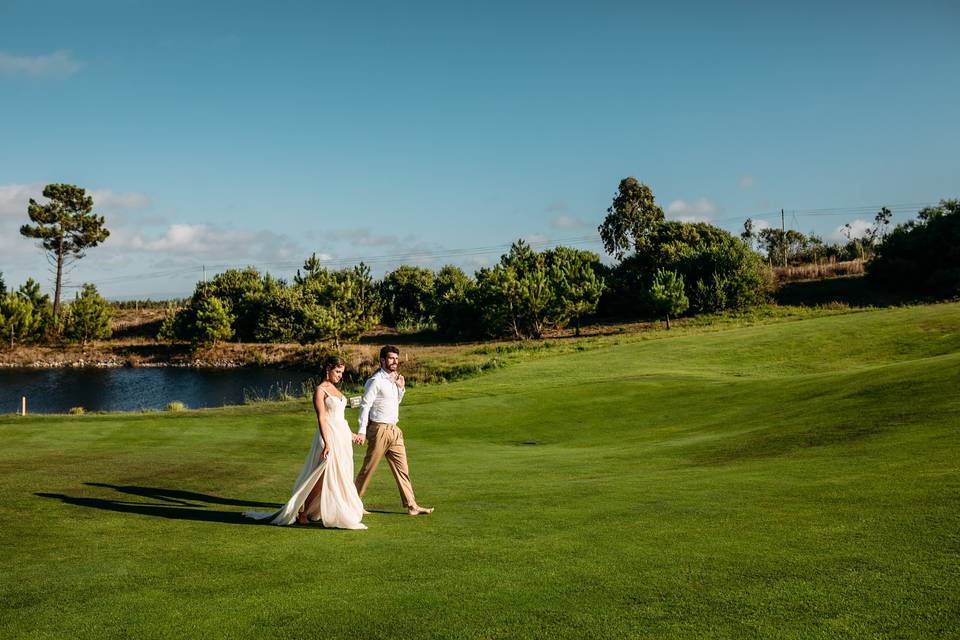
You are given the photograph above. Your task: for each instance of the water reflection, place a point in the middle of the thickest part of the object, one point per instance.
(131, 389)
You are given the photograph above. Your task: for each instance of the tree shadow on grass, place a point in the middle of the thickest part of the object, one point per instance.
(174, 504)
(854, 291)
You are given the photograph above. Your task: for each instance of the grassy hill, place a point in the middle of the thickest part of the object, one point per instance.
(799, 479)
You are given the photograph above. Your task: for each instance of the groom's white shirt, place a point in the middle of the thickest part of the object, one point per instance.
(380, 401)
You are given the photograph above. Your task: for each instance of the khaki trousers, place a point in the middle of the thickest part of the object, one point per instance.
(386, 440)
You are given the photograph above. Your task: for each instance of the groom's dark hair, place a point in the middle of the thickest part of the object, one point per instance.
(388, 349)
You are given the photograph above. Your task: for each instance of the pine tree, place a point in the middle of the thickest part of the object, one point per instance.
(88, 317)
(666, 294)
(65, 227)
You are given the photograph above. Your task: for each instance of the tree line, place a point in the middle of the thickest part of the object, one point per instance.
(662, 269)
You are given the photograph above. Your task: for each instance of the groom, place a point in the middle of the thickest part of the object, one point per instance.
(380, 410)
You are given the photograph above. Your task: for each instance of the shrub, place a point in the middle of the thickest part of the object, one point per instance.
(667, 296)
(453, 294)
(922, 255)
(719, 271)
(176, 405)
(408, 297)
(88, 317)
(76, 411)
(213, 322)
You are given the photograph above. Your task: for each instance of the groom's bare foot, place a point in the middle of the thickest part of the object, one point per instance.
(417, 510)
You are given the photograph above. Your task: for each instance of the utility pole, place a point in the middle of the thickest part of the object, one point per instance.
(783, 238)
(204, 274)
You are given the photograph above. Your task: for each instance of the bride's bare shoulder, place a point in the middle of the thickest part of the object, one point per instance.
(328, 389)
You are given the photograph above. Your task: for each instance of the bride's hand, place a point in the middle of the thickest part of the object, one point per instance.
(326, 452)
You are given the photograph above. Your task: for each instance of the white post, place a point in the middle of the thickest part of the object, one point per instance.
(23, 405)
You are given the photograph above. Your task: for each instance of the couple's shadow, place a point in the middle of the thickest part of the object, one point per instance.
(167, 503)
(174, 504)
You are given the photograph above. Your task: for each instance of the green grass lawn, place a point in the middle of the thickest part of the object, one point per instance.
(795, 479)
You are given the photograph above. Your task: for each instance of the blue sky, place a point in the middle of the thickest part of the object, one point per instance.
(226, 134)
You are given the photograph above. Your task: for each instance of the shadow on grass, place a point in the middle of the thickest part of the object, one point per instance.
(177, 496)
(174, 504)
(855, 291)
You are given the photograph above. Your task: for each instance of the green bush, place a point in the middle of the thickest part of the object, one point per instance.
(87, 317)
(176, 405)
(666, 295)
(214, 322)
(453, 299)
(923, 255)
(408, 297)
(719, 271)
(76, 411)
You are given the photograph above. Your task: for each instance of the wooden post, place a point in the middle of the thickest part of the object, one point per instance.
(23, 405)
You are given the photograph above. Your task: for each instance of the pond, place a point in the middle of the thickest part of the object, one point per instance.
(136, 389)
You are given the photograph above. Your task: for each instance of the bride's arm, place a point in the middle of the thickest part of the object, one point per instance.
(318, 395)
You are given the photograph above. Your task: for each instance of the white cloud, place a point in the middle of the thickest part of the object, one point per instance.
(566, 222)
(699, 210)
(203, 242)
(56, 64)
(362, 237)
(15, 197)
(760, 225)
(858, 229)
(475, 263)
(747, 182)
(105, 199)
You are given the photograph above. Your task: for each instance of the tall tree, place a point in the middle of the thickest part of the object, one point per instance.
(881, 222)
(748, 234)
(65, 227)
(630, 218)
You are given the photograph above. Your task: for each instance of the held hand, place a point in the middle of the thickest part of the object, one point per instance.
(326, 452)
(358, 438)
(400, 381)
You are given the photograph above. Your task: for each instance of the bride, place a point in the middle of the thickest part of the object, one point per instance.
(324, 491)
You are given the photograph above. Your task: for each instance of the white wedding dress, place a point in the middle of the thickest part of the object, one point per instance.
(339, 504)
